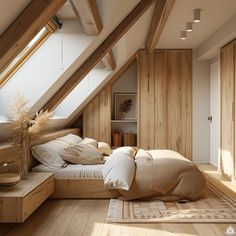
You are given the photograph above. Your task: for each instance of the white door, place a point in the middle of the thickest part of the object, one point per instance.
(215, 114)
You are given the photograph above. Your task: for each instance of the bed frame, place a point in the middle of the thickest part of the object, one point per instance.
(73, 188)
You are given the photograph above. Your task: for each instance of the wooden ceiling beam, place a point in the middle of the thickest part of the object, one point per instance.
(90, 20)
(118, 74)
(160, 15)
(88, 15)
(16, 37)
(98, 54)
(109, 61)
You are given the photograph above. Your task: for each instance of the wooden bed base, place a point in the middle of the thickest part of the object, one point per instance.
(64, 188)
(82, 188)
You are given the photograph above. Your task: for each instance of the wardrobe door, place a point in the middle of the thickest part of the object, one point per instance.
(146, 103)
(228, 109)
(97, 117)
(179, 101)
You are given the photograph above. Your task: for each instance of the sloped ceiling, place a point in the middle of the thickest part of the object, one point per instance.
(9, 10)
(214, 13)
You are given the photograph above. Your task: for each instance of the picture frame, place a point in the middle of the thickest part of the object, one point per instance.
(125, 106)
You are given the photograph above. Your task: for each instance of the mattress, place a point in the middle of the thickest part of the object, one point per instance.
(73, 171)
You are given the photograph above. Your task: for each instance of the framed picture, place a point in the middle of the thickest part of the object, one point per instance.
(125, 106)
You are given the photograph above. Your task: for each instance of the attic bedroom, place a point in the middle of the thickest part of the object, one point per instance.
(117, 117)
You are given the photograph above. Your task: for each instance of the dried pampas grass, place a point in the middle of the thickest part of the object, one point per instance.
(25, 126)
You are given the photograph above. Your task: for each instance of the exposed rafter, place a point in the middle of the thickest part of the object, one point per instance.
(98, 54)
(160, 16)
(88, 15)
(118, 74)
(109, 61)
(25, 27)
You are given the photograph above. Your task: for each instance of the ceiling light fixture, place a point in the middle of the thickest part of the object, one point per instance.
(183, 34)
(196, 15)
(189, 26)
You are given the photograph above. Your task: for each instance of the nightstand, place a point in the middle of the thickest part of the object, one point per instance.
(19, 202)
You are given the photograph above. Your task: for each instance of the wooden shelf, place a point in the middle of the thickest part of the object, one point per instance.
(124, 121)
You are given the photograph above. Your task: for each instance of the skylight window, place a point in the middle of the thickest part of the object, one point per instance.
(23, 56)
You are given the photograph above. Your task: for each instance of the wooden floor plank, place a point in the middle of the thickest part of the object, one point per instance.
(80, 218)
(96, 219)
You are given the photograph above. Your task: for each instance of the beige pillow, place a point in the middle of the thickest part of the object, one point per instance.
(71, 139)
(49, 153)
(82, 154)
(90, 141)
(104, 148)
(131, 151)
(143, 154)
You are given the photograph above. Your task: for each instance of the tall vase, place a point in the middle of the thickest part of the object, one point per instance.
(25, 157)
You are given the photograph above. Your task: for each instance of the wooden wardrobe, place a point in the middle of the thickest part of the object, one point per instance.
(165, 100)
(164, 104)
(228, 77)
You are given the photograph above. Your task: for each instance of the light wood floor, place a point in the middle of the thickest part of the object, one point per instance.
(87, 217)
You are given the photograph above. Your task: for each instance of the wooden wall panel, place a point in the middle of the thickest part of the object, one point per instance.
(146, 83)
(161, 99)
(165, 100)
(179, 101)
(97, 117)
(228, 109)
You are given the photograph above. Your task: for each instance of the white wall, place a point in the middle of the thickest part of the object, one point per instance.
(201, 110)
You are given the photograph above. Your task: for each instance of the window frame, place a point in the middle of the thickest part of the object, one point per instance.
(51, 28)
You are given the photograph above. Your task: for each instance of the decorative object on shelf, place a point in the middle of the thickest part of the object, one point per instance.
(9, 174)
(130, 139)
(116, 139)
(125, 106)
(25, 126)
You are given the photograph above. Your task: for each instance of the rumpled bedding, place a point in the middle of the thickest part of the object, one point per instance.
(161, 174)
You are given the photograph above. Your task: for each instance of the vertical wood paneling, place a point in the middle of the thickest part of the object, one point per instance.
(146, 85)
(227, 109)
(165, 100)
(97, 117)
(179, 100)
(160, 99)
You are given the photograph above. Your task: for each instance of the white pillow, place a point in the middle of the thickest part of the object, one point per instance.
(131, 151)
(82, 154)
(104, 148)
(90, 141)
(71, 139)
(118, 171)
(49, 153)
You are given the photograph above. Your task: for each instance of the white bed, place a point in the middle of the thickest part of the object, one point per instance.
(73, 171)
(78, 181)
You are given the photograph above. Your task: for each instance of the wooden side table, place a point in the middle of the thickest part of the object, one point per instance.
(19, 202)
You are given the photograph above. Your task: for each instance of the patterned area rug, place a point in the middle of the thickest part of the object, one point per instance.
(212, 207)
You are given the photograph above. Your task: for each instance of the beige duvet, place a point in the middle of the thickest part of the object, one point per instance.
(164, 174)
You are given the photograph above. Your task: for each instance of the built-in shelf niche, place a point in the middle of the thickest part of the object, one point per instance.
(126, 84)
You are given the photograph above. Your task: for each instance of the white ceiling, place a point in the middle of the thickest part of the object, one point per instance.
(66, 12)
(9, 10)
(214, 13)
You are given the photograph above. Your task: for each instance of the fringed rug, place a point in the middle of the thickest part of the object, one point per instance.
(213, 206)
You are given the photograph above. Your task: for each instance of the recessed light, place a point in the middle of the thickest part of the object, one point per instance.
(189, 26)
(196, 15)
(183, 35)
